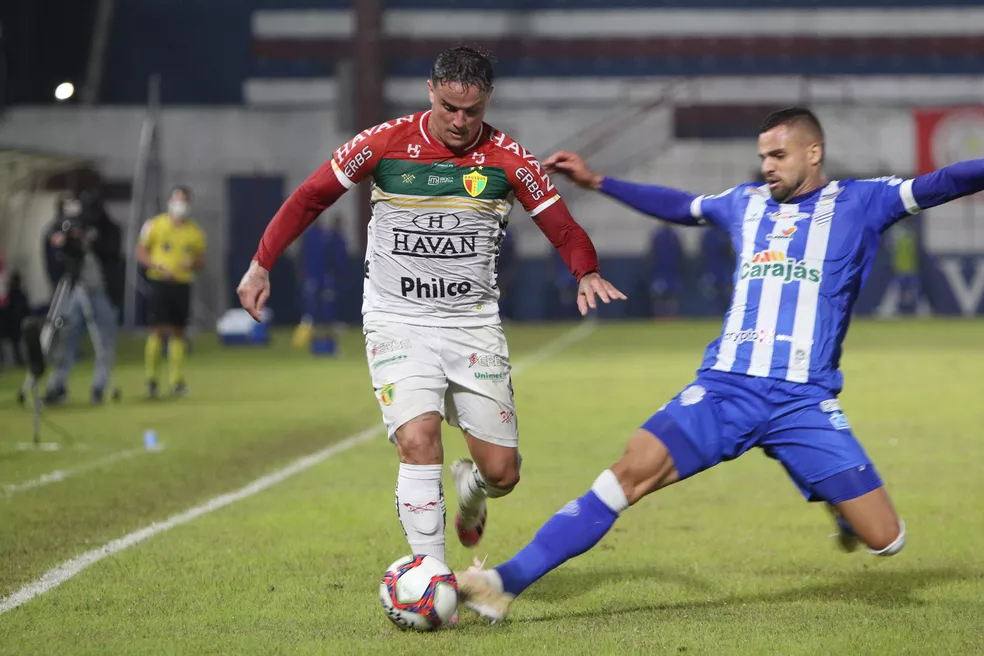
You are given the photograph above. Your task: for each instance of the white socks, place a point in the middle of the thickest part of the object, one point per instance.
(420, 505)
(609, 490)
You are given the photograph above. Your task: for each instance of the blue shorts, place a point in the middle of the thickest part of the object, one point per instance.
(722, 415)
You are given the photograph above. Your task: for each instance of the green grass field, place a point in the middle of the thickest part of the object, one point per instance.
(732, 561)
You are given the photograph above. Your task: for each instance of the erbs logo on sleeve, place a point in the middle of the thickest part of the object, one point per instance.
(532, 185)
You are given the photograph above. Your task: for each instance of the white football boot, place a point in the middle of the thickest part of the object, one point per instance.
(481, 591)
(469, 526)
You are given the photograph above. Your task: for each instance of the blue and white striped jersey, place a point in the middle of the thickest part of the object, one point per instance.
(800, 268)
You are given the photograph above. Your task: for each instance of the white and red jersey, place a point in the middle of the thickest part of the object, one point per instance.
(438, 219)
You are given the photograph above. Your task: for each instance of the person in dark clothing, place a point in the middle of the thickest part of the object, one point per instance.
(81, 240)
(14, 308)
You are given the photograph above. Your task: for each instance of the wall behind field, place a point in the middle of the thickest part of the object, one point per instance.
(204, 147)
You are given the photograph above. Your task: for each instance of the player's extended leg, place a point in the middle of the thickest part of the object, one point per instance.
(813, 440)
(646, 467)
(493, 474)
(871, 518)
(419, 493)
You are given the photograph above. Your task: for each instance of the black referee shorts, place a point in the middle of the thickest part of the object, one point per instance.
(170, 303)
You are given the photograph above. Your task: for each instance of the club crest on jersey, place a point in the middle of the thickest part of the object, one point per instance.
(475, 183)
(775, 264)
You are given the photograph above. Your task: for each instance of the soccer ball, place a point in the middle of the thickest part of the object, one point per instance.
(419, 593)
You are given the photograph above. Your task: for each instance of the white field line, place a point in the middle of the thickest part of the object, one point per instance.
(68, 569)
(61, 474)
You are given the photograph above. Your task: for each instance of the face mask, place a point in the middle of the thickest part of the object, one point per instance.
(178, 209)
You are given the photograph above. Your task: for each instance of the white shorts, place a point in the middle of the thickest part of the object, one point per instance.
(461, 373)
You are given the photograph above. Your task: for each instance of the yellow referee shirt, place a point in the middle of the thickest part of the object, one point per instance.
(174, 245)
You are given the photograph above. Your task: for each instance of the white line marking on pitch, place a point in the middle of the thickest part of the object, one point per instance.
(68, 569)
(61, 474)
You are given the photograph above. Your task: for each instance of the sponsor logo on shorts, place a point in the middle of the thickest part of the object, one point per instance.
(500, 376)
(507, 416)
(382, 348)
(485, 360)
(692, 395)
(837, 419)
(386, 394)
(389, 360)
(436, 288)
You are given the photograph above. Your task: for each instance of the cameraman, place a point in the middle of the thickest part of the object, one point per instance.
(83, 246)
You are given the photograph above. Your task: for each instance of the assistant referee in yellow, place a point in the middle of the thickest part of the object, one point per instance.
(172, 247)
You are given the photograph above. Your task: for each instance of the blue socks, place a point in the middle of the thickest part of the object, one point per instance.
(575, 528)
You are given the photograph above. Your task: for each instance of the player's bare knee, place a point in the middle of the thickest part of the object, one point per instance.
(501, 477)
(888, 541)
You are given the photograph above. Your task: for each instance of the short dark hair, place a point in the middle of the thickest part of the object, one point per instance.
(465, 66)
(793, 116)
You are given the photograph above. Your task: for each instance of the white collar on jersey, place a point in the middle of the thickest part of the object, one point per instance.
(423, 132)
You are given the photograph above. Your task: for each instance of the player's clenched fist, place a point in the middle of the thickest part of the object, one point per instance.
(254, 290)
(572, 166)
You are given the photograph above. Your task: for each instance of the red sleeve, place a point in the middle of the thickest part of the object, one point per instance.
(570, 239)
(540, 198)
(349, 165)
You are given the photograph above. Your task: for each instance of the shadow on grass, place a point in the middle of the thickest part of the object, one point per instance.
(883, 589)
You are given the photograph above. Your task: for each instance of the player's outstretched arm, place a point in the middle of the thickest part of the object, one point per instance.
(299, 211)
(891, 199)
(578, 253)
(664, 203)
(948, 183)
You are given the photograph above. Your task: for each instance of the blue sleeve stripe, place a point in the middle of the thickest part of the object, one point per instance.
(908, 198)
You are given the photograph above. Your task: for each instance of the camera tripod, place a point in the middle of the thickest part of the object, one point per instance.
(39, 337)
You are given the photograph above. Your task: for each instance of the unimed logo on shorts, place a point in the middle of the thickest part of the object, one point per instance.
(499, 376)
